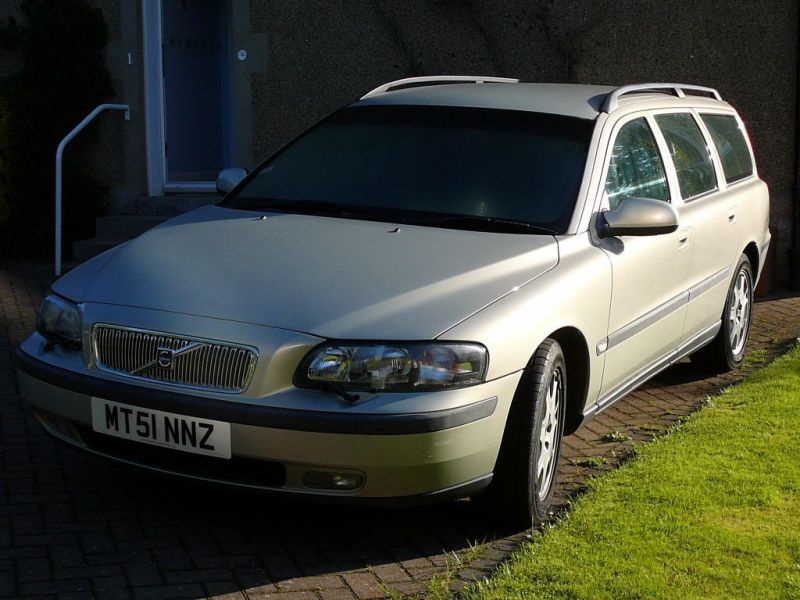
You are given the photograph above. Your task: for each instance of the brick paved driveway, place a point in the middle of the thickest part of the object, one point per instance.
(74, 527)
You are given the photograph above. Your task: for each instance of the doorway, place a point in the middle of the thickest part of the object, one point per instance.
(187, 93)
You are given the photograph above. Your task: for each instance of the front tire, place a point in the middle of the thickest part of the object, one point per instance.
(727, 351)
(525, 474)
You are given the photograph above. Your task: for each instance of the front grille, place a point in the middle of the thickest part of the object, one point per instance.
(248, 471)
(155, 356)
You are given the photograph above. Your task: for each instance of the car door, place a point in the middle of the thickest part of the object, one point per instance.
(649, 273)
(712, 213)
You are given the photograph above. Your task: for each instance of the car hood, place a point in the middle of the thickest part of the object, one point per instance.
(331, 277)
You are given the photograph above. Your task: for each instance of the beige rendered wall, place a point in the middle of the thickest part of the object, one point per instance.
(321, 54)
(119, 159)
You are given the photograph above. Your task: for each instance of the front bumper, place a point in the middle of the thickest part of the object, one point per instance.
(404, 456)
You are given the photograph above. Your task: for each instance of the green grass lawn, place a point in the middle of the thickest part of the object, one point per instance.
(710, 510)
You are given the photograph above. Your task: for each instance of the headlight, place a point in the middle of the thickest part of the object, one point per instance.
(393, 366)
(60, 321)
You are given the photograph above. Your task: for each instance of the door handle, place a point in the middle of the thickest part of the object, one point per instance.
(684, 236)
(733, 216)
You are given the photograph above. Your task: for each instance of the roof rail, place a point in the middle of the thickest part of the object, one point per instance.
(382, 89)
(612, 100)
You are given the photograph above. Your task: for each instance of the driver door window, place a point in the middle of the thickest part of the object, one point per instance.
(636, 168)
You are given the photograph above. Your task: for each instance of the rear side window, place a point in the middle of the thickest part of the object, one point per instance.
(731, 145)
(636, 168)
(687, 146)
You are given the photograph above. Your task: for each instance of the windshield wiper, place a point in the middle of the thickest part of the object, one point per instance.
(325, 207)
(494, 224)
(412, 217)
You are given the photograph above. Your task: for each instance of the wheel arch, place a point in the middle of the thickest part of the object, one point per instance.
(751, 252)
(576, 356)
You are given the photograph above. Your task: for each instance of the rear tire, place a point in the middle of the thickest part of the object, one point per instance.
(524, 478)
(727, 351)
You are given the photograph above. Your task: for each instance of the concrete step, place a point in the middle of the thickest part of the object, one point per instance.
(126, 226)
(132, 217)
(171, 205)
(86, 249)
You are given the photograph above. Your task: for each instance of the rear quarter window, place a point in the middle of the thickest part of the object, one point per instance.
(731, 145)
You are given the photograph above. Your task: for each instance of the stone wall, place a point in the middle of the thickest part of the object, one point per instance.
(324, 53)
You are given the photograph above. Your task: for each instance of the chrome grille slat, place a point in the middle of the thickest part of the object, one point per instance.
(216, 366)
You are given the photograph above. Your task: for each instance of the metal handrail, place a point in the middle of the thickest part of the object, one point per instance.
(59, 157)
(612, 100)
(381, 89)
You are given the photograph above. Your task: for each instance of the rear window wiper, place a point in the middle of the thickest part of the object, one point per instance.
(494, 224)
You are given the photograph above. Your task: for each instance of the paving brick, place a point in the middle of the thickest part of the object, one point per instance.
(304, 553)
(33, 569)
(123, 558)
(281, 567)
(66, 556)
(77, 596)
(198, 576)
(390, 573)
(413, 589)
(320, 582)
(224, 591)
(53, 587)
(254, 577)
(229, 562)
(110, 584)
(414, 563)
(284, 596)
(364, 585)
(172, 559)
(97, 542)
(170, 592)
(8, 585)
(140, 574)
(423, 573)
(89, 572)
(339, 594)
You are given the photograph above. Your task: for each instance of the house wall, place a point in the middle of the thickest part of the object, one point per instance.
(8, 63)
(116, 159)
(307, 58)
(119, 159)
(321, 54)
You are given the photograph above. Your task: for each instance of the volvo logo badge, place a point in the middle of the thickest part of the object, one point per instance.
(165, 357)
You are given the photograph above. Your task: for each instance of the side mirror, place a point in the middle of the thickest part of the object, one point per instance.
(638, 216)
(229, 179)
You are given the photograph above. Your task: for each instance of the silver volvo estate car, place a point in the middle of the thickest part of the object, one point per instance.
(418, 297)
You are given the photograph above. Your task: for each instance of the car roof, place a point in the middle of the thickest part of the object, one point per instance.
(568, 99)
(573, 100)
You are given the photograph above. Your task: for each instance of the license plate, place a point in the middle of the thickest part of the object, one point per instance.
(158, 428)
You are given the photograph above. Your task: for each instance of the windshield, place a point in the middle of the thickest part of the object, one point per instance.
(408, 162)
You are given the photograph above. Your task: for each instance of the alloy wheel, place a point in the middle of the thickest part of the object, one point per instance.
(739, 312)
(548, 433)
